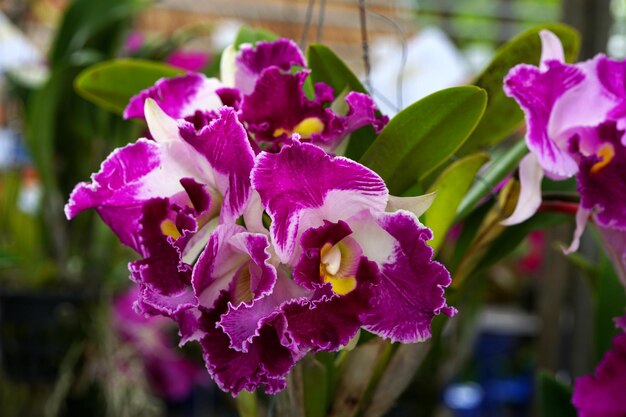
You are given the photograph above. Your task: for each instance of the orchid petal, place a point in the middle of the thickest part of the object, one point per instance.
(416, 205)
(178, 97)
(582, 217)
(529, 200)
(551, 48)
(411, 288)
(297, 200)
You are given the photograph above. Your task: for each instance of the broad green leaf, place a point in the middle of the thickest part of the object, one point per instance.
(328, 68)
(424, 135)
(503, 114)
(503, 164)
(609, 303)
(315, 380)
(249, 35)
(111, 84)
(451, 187)
(555, 398)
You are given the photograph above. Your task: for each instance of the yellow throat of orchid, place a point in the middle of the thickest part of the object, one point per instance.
(306, 128)
(606, 154)
(331, 268)
(168, 228)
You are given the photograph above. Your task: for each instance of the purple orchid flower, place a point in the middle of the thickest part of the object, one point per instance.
(263, 74)
(333, 229)
(600, 395)
(575, 118)
(291, 111)
(218, 156)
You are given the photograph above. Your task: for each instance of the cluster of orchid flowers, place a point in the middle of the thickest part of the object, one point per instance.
(576, 125)
(254, 235)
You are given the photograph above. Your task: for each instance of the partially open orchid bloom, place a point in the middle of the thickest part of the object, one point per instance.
(275, 104)
(602, 394)
(266, 83)
(575, 117)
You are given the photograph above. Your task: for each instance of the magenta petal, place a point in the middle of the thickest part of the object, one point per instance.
(605, 189)
(537, 92)
(411, 288)
(117, 191)
(224, 144)
(178, 97)
(602, 394)
(242, 323)
(163, 277)
(296, 200)
(266, 362)
(328, 321)
(612, 76)
(278, 104)
(234, 261)
(362, 112)
(252, 60)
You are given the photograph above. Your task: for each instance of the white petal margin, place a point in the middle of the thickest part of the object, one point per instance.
(416, 205)
(551, 48)
(529, 200)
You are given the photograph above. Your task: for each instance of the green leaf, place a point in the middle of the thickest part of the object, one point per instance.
(111, 84)
(327, 67)
(555, 398)
(315, 380)
(424, 135)
(609, 303)
(503, 163)
(503, 114)
(451, 187)
(249, 35)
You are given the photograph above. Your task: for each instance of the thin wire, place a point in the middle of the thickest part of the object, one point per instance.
(320, 20)
(383, 98)
(403, 59)
(307, 23)
(364, 44)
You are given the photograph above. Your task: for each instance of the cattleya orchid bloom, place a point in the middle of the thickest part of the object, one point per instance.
(601, 395)
(195, 200)
(576, 120)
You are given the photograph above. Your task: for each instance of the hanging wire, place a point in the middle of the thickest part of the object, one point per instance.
(320, 20)
(403, 58)
(307, 24)
(365, 44)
